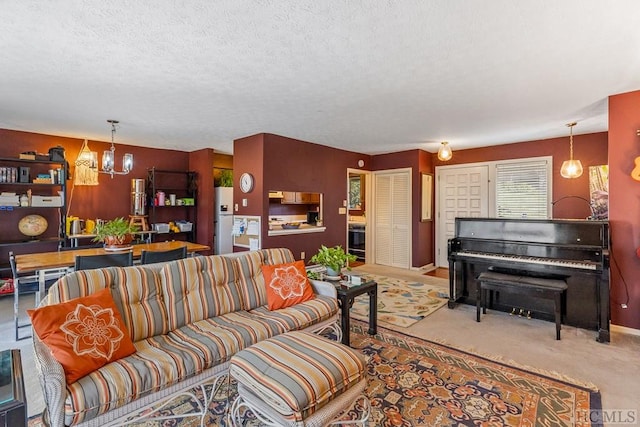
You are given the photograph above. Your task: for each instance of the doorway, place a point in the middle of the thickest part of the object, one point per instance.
(460, 192)
(358, 201)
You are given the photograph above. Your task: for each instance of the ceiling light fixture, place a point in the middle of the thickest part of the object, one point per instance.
(571, 168)
(86, 172)
(445, 153)
(109, 156)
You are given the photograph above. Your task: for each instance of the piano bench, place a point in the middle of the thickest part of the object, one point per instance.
(551, 289)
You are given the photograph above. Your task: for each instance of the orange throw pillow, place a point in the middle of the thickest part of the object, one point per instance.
(287, 284)
(83, 334)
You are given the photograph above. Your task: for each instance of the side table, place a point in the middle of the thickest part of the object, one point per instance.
(13, 404)
(346, 295)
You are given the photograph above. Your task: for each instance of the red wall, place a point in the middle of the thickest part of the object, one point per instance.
(112, 197)
(590, 149)
(624, 208)
(423, 241)
(280, 163)
(248, 156)
(202, 161)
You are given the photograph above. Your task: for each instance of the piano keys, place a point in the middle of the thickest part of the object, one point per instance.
(573, 250)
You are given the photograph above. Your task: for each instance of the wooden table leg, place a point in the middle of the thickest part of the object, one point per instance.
(558, 313)
(478, 299)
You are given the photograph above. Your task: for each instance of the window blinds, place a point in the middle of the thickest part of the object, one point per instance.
(522, 189)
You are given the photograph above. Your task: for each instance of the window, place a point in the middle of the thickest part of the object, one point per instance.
(522, 189)
(355, 193)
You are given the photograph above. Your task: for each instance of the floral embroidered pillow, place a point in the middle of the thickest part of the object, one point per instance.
(286, 284)
(83, 334)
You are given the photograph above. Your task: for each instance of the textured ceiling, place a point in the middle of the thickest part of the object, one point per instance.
(366, 76)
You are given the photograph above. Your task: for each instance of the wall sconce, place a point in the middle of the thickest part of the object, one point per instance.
(86, 172)
(571, 168)
(108, 157)
(445, 153)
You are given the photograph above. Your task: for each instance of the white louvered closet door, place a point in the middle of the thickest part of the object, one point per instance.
(393, 219)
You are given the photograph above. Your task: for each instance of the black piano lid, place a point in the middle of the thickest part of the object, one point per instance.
(549, 231)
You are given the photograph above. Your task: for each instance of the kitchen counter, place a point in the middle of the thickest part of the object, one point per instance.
(304, 229)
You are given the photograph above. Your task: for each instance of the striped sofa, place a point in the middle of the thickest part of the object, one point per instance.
(186, 318)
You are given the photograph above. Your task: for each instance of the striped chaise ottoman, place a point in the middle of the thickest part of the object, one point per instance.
(299, 379)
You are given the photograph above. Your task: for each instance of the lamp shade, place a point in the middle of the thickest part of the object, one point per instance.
(127, 162)
(571, 169)
(445, 153)
(108, 161)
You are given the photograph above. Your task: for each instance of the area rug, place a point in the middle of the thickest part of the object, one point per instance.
(400, 302)
(415, 382)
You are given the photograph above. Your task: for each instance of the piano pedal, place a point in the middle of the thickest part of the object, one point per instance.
(521, 312)
(529, 314)
(513, 311)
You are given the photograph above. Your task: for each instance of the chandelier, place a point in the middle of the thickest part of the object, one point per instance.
(108, 157)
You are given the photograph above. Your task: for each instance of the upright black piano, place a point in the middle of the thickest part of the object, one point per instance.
(574, 250)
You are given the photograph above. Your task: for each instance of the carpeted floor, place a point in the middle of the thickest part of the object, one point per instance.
(414, 382)
(614, 367)
(401, 302)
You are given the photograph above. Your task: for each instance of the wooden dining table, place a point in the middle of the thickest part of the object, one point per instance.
(26, 263)
(48, 265)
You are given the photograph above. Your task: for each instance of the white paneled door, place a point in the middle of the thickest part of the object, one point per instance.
(462, 192)
(393, 218)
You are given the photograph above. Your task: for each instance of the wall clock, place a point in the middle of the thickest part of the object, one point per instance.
(246, 182)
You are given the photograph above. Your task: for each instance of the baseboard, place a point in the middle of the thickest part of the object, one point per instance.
(625, 330)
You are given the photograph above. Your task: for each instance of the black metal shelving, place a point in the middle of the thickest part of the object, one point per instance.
(8, 213)
(184, 185)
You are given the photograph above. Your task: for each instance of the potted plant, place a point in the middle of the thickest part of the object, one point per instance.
(333, 259)
(115, 233)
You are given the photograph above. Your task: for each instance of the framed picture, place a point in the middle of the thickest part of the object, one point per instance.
(426, 193)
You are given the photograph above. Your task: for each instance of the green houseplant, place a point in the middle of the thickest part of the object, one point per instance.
(333, 258)
(114, 233)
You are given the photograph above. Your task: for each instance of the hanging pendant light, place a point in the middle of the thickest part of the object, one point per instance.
(571, 168)
(109, 156)
(86, 172)
(445, 153)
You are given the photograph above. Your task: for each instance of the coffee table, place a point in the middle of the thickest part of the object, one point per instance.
(13, 402)
(346, 295)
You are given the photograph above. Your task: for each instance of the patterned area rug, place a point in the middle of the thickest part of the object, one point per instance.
(400, 302)
(414, 382)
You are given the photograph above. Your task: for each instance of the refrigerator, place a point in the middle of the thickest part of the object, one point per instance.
(223, 222)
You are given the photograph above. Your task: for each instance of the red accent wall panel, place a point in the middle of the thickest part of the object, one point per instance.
(281, 163)
(624, 208)
(590, 149)
(201, 161)
(111, 198)
(423, 241)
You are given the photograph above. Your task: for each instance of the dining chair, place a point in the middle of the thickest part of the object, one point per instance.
(28, 284)
(88, 262)
(150, 257)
